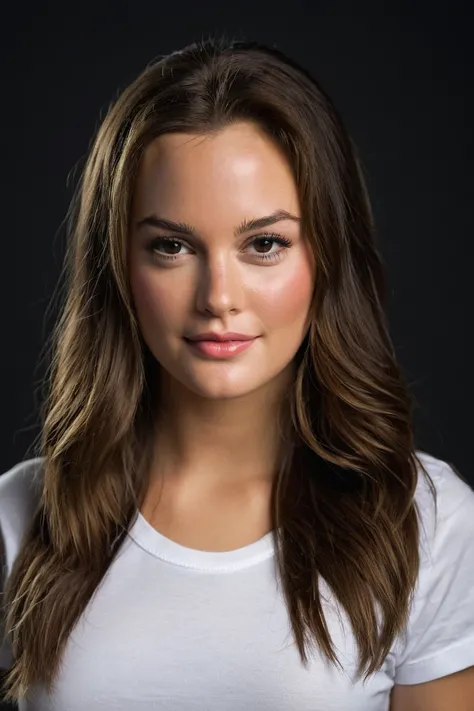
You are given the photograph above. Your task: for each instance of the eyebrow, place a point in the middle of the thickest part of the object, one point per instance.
(183, 228)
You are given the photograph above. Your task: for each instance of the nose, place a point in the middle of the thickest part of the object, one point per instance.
(219, 289)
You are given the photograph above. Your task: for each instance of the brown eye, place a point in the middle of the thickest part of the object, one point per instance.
(263, 244)
(167, 246)
(263, 249)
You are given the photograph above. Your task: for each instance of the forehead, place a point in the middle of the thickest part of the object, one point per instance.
(238, 168)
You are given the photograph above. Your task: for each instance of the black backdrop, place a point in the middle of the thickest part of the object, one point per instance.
(401, 75)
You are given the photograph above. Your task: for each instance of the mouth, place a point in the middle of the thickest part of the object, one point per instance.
(220, 349)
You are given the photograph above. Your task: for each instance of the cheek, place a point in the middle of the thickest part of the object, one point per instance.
(286, 302)
(156, 303)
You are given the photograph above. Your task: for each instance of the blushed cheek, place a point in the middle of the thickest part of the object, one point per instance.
(286, 302)
(155, 305)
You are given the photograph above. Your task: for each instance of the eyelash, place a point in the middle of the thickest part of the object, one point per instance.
(283, 241)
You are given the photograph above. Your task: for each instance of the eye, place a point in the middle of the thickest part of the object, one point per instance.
(167, 248)
(264, 245)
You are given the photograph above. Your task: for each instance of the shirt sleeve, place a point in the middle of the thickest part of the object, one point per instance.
(20, 489)
(440, 633)
(5, 649)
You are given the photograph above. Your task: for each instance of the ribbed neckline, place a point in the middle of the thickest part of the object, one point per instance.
(169, 551)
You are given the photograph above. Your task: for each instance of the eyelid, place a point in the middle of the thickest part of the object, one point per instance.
(272, 236)
(259, 235)
(279, 239)
(169, 238)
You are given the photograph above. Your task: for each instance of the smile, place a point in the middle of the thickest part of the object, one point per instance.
(220, 349)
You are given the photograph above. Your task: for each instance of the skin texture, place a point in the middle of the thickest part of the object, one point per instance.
(217, 425)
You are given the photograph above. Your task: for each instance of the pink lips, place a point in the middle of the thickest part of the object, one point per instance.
(224, 345)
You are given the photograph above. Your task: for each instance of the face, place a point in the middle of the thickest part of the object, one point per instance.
(198, 266)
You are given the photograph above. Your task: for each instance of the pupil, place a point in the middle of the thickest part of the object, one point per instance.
(262, 242)
(169, 246)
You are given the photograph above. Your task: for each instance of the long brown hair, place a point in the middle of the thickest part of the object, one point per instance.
(343, 503)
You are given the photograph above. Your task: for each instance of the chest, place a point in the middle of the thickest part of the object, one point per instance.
(210, 521)
(155, 637)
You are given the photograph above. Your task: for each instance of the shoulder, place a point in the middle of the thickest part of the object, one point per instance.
(447, 520)
(20, 492)
(440, 635)
(21, 486)
(451, 485)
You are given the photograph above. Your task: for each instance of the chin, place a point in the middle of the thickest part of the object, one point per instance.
(222, 381)
(221, 391)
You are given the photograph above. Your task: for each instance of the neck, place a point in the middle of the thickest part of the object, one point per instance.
(218, 443)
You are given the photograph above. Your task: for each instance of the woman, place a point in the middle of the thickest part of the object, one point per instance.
(228, 510)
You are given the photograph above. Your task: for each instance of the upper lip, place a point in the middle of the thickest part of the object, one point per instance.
(221, 337)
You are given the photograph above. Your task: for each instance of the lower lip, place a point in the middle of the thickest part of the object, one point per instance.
(220, 349)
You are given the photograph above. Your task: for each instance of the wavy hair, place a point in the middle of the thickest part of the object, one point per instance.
(343, 501)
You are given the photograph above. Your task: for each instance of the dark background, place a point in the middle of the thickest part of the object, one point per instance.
(401, 76)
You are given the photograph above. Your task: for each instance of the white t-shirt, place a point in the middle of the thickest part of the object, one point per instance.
(178, 629)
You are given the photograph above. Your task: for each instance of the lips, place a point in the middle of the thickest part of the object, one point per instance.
(212, 336)
(210, 346)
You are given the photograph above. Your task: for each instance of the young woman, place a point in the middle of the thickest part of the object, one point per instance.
(227, 510)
